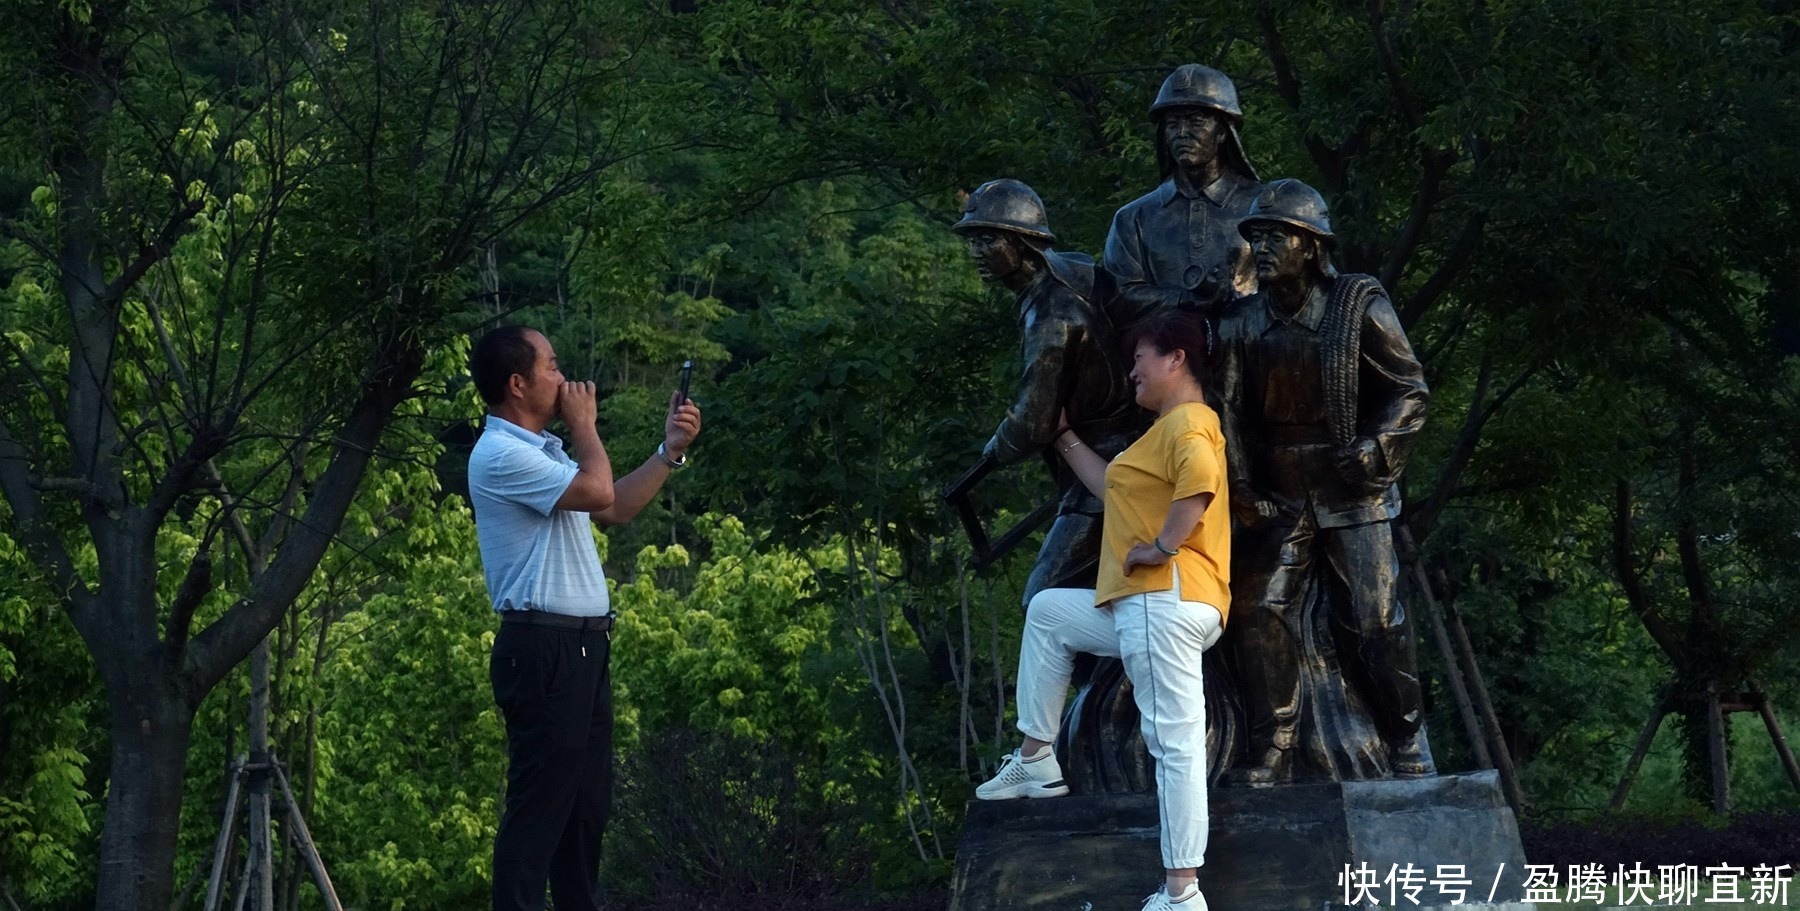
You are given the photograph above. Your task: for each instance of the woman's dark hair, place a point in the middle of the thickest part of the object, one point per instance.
(1172, 328)
(499, 355)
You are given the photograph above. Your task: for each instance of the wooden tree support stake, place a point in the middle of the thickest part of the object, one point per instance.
(243, 885)
(259, 860)
(1715, 743)
(1502, 753)
(1767, 712)
(1453, 675)
(1461, 660)
(222, 848)
(1651, 725)
(308, 850)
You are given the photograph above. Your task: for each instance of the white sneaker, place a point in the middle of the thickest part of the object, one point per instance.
(1041, 777)
(1190, 900)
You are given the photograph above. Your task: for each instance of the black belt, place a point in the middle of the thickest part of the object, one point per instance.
(604, 622)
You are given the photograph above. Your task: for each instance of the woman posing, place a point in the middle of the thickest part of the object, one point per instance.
(1162, 598)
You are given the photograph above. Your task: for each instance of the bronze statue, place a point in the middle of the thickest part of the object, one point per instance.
(1072, 363)
(1323, 402)
(1178, 245)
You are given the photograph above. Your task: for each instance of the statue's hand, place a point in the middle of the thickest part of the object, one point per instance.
(1249, 506)
(1251, 510)
(1360, 465)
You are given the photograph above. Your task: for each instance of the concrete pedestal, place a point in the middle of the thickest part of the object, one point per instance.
(1270, 849)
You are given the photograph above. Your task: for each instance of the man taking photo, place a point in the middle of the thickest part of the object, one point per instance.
(550, 664)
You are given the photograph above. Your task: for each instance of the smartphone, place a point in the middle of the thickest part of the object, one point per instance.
(687, 373)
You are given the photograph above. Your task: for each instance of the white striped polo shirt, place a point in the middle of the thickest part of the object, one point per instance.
(535, 556)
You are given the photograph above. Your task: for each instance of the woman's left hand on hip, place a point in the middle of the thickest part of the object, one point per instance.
(1144, 553)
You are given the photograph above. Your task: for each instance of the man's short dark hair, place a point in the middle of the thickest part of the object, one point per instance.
(497, 357)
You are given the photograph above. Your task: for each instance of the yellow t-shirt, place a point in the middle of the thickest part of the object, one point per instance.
(1182, 455)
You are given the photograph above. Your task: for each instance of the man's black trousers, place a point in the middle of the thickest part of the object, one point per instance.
(554, 690)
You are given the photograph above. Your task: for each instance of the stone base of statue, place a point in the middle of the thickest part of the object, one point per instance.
(1270, 849)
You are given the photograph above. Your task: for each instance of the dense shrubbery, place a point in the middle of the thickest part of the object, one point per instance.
(718, 813)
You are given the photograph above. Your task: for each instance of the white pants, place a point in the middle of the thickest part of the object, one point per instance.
(1161, 638)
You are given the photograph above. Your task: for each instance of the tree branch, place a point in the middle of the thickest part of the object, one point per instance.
(1514, 484)
(284, 512)
(198, 581)
(1424, 519)
(194, 588)
(206, 442)
(32, 527)
(222, 644)
(1425, 516)
(1433, 164)
(37, 377)
(1390, 65)
(1448, 337)
(179, 478)
(1287, 84)
(1624, 566)
(153, 252)
(1687, 536)
(1447, 272)
(91, 420)
(1333, 163)
(7, 897)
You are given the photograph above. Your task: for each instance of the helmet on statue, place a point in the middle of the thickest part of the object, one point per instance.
(1006, 205)
(1196, 86)
(1290, 202)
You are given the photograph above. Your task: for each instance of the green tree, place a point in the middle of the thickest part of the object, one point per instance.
(251, 227)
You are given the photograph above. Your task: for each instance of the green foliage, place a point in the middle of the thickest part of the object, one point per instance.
(50, 708)
(732, 651)
(412, 757)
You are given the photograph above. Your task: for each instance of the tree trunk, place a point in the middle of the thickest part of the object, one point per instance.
(151, 726)
(1705, 752)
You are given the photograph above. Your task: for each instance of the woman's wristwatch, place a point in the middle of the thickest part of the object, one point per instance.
(662, 452)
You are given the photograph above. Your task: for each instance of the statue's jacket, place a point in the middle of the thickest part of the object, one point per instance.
(1167, 246)
(1072, 360)
(1278, 446)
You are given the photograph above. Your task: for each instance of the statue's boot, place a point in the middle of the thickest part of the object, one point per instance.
(1276, 763)
(1411, 756)
(1275, 767)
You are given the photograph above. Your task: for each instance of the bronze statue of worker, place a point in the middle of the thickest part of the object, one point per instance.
(1178, 245)
(1072, 364)
(1323, 401)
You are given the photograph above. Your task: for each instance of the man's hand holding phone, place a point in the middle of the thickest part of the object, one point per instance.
(683, 422)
